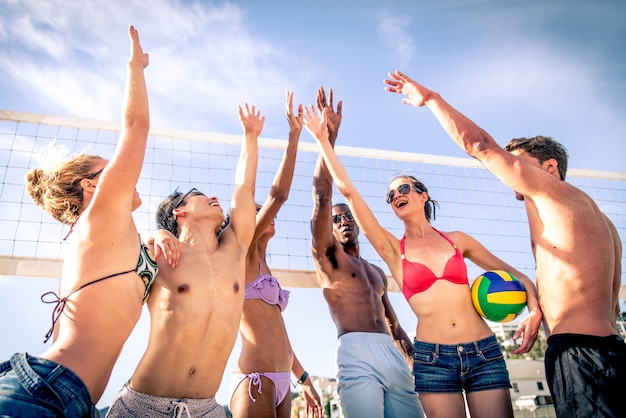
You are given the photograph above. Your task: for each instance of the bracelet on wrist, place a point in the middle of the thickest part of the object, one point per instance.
(303, 377)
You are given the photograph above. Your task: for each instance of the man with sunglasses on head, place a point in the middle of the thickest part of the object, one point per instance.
(373, 378)
(196, 305)
(578, 255)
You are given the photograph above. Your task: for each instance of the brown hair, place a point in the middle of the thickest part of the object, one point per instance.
(165, 218)
(58, 191)
(542, 148)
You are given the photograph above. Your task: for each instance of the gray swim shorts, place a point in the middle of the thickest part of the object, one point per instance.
(130, 404)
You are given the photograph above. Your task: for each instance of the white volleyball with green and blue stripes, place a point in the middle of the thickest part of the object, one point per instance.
(498, 296)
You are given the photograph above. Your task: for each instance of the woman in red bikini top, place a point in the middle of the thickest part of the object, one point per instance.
(431, 271)
(455, 352)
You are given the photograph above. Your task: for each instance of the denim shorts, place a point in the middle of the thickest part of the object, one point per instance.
(440, 368)
(36, 387)
(586, 375)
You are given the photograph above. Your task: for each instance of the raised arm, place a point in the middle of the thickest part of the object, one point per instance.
(512, 170)
(242, 219)
(383, 241)
(120, 176)
(284, 175)
(485, 259)
(321, 223)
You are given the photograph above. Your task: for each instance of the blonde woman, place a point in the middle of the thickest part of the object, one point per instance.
(107, 271)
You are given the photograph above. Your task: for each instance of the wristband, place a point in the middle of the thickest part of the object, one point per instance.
(303, 377)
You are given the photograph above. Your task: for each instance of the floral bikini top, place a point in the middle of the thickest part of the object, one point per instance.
(416, 277)
(147, 270)
(268, 289)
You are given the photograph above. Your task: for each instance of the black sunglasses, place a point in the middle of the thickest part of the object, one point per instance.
(182, 199)
(94, 175)
(89, 177)
(347, 215)
(402, 189)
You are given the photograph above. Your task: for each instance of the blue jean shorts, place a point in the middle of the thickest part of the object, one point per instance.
(469, 367)
(36, 387)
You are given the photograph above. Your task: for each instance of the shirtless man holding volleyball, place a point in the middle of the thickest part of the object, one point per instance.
(577, 252)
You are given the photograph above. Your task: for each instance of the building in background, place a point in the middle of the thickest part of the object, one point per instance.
(327, 389)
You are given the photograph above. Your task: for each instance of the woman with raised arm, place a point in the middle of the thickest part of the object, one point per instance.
(260, 385)
(107, 271)
(455, 352)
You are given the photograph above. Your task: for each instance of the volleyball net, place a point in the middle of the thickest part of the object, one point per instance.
(471, 199)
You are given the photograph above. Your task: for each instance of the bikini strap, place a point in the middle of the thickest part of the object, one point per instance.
(255, 379)
(402, 256)
(61, 302)
(446, 238)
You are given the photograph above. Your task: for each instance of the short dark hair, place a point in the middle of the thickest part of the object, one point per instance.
(542, 148)
(336, 205)
(165, 217)
(430, 205)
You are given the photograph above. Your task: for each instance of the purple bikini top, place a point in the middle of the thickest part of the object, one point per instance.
(266, 287)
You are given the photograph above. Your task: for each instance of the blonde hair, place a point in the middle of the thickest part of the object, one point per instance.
(56, 188)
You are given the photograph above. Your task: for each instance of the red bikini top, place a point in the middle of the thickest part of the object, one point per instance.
(418, 278)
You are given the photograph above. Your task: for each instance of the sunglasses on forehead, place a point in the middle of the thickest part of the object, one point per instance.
(182, 199)
(402, 189)
(347, 215)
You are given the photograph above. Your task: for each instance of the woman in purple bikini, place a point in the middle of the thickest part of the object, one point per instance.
(260, 385)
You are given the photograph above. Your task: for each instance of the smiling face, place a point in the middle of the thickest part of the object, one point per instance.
(346, 231)
(404, 197)
(199, 201)
(196, 205)
(183, 205)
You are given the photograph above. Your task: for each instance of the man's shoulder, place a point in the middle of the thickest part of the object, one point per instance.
(559, 191)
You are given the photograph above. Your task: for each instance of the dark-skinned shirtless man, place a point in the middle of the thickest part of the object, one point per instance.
(373, 379)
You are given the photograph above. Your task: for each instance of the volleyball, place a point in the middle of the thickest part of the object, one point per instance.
(498, 296)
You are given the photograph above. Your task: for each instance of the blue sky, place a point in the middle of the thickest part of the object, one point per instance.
(519, 68)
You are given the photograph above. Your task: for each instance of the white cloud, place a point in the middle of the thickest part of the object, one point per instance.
(507, 64)
(393, 31)
(79, 94)
(203, 59)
